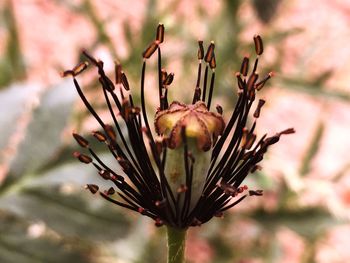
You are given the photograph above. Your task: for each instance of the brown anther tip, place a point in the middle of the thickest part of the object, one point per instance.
(67, 73)
(99, 136)
(255, 192)
(245, 66)
(80, 140)
(259, 48)
(237, 74)
(82, 157)
(210, 52)
(200, 54)
(92, 188)
(287, 131)
(104, 174)
(160, 33)
(150, 49)
(272, 74)
(110, 132)
(219, 109)
(110, 191)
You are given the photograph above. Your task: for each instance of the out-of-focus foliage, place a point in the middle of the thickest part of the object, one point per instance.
(45, 216)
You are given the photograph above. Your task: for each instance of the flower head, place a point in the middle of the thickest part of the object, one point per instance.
(190, 166)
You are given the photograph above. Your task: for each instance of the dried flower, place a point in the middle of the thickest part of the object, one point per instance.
(191, 168)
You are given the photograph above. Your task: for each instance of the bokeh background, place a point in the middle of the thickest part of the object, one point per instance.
(45, 213)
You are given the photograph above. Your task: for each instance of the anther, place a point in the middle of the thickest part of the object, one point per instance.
(261, 84)
(110, 191)
(81, 140)
(110, 132)
(219, 109)
(160, 33)
(245, 66)
(125, 81)
(255, 192)
(82, 157)
(118, 72)
(169, 79)
(200, 53)
(150, 49)
(105, 174)
(258, 108)
(210, 52)
(259, 48)
(76, 70)
(99, 136)
(92, 187)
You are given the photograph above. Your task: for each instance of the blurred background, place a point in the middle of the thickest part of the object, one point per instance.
(45, 213)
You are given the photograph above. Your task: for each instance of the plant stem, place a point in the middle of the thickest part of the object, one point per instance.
(176, 244)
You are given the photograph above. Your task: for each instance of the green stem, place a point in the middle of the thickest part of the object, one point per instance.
(176, 244)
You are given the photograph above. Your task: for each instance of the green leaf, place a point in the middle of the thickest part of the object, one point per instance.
(13, 104)
(312, 149)
(43, 136)
(16, 245)
(70, 213)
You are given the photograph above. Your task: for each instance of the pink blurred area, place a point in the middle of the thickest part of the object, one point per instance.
(52, 33)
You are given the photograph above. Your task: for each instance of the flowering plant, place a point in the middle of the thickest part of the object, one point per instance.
(191, 166)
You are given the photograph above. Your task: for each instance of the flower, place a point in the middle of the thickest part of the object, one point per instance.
(191, 166)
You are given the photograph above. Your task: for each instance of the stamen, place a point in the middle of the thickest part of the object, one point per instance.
(99, 136)
(110, 132)
(160, 33)
(245, 66)
(125, 81)
(150, 49)
(81, 140)
(210, 52)
(118, 72)
(255, 192)
(110, 191)
(92, 187)
(258, 108)
(259, 48)
(200, 53)
(82, 157)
